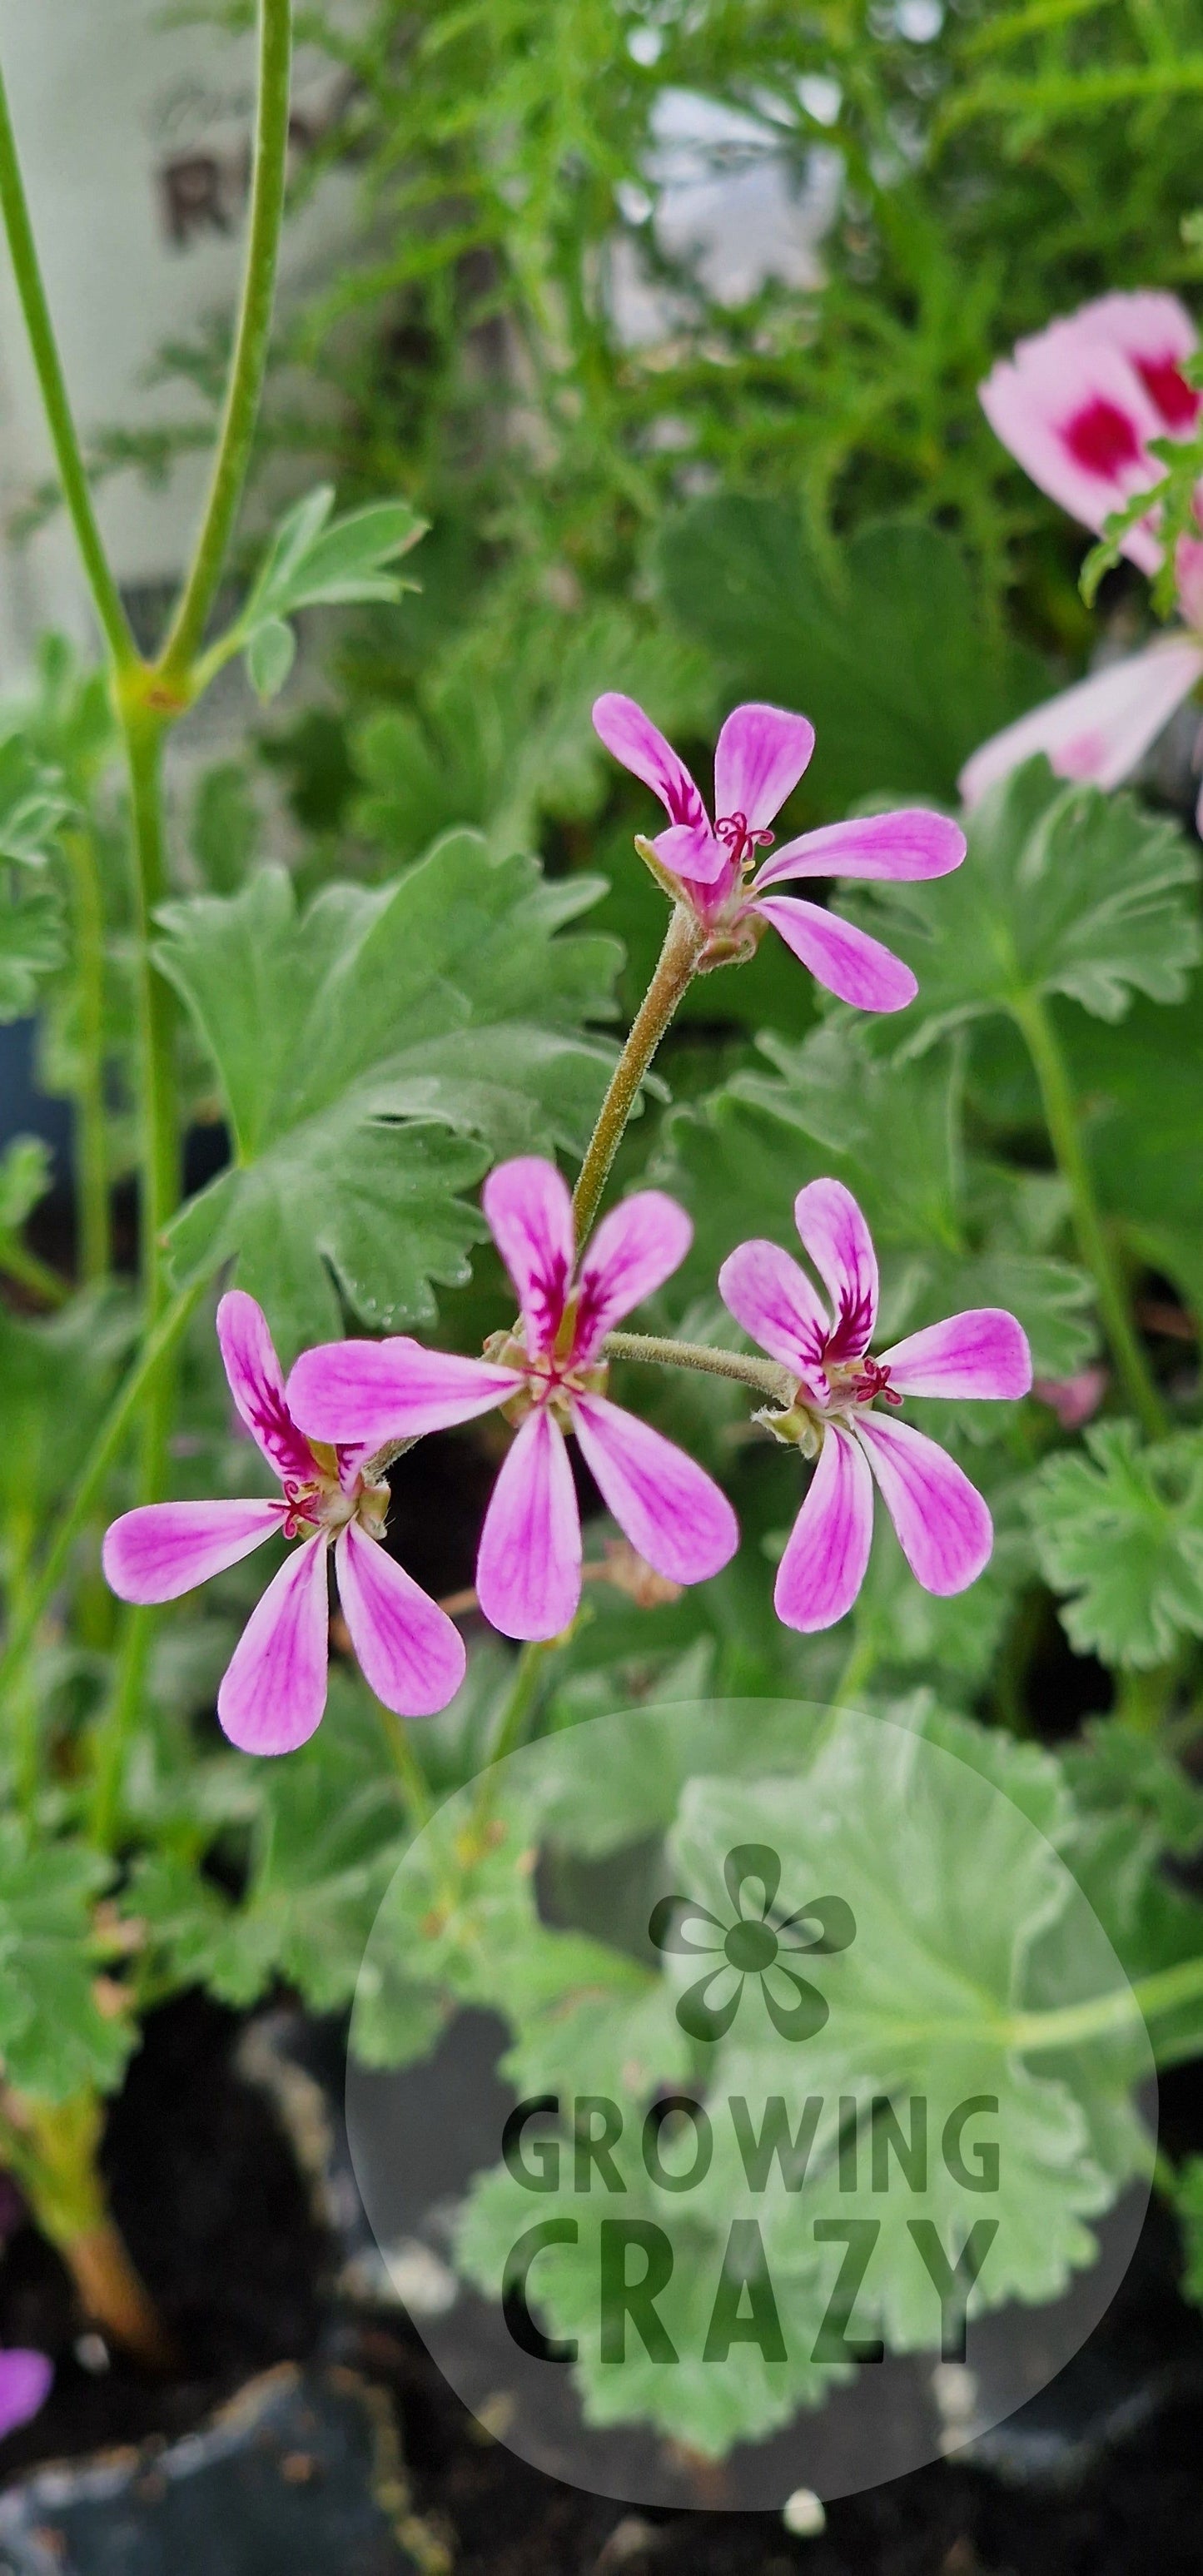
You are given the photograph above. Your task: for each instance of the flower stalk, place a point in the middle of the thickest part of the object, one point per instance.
(675, 971)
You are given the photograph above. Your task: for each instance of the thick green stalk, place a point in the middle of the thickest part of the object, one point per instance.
(1068, 2025)
(160, 1159)
(91, 1146)
(90, 1483)
(674, 973)
(55, 399)
(1034, 1020)
(19, 1263)
(252, 336)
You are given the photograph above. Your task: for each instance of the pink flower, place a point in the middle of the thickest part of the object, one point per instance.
(550, 1377)
(274, 1689)
(1074, 1400)
(1078, 405)
(941, 1520)
(25, 2382)
(761, 754)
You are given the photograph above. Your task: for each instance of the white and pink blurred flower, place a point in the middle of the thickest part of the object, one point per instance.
(549, 1376)
(26, 2378)
(942, 1522)
(273, 1692)
(1077, 405)
(760, 756)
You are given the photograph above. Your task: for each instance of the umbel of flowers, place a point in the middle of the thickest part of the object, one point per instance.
(350, 1406)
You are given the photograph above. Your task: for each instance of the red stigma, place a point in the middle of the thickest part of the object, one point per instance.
(874, 1379)
(740, 842)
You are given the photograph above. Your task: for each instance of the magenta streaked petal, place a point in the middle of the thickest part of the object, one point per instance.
(257, 1385)
(944, 1528)
(981, 1353)
(1073, 410)
(411, 1654)
(164, 1549)
(641, 747)
(529, 1208)
(1099, 729)
(691, 852)
(759, 758)
(274, 1688)
(840, 957)
(528, 1570)
(362, 1395)
(672, 1512)
(635, 1249)
(909, 844)
(836, 1238)
(771, 1296)
(26, 2378)
(1154, 332)
(824, 1563)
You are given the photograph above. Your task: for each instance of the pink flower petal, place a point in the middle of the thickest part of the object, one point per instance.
(672, 1512)
(842, 958)
(824, 1563)
(1154, 332)
(767, 1292)
(528, 1570)
(983, 1352)
(164, 1549)
(257, 1385)
(759, 758)
(837, 1240)
(529, 1208)
(691, 852)
(409, 1651)
(943, 1525)
(641, 747)
(366, 1394)
(25, 2383)
(912, 843)
(274, 1688)
(635, 1249)
(1075, 413)
(1073, 1399)
(1101, 727)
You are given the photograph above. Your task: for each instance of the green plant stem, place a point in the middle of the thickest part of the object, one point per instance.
(1100, 2015)
(515, 1711)
(412, 1777)
(55, 399)
(19, 1263)
(91, 1149)
(251, 340)
(859, 1664)
(674, 973)
(160, 1160)
(53, 2148)
(104, 1450)
(764, 1375)
(1035, 1021)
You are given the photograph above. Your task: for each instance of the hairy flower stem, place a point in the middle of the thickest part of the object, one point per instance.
(764, 1375)
(1035, 1021)
(53, 2149)
(248, 365)
(674, 973)
(94, 1249)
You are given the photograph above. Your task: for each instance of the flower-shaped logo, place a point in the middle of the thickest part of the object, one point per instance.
(755, 1944)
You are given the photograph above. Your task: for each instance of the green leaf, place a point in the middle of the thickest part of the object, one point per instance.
(269, 658)
(316, 560)
(373, 1052)
(57, 1377)
(26, 1174)
(224, 826)
(32, 944)
(31, 804)
(54, 2039)
(1188, 2201)
(1064, 890)
(1120, 1532)
(886, 651)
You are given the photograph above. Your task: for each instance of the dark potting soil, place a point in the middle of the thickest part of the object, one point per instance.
(217, 2216)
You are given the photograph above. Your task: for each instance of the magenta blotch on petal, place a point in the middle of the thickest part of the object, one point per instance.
(836, 1238)
(529, 1209)
(408, 1650)
(164, 1549)
(982, 1353)
(635, 1249)
(528, 1570)
(771, 1296)
(641, 747)
(943, 1526)
(1099, 729)
(843, 959)
(668, 1507)
(274, 1688)
(759, 758)
(827, 1551)
(257, 1384)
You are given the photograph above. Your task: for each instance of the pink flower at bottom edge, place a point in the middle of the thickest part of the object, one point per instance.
(273, 1692)
(761, 754)
(942, 1522)
(26, 2378)
(550, 1376)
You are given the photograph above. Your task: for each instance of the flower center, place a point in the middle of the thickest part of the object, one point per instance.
(750, 1947)
(858, 1381)
(740, 842)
